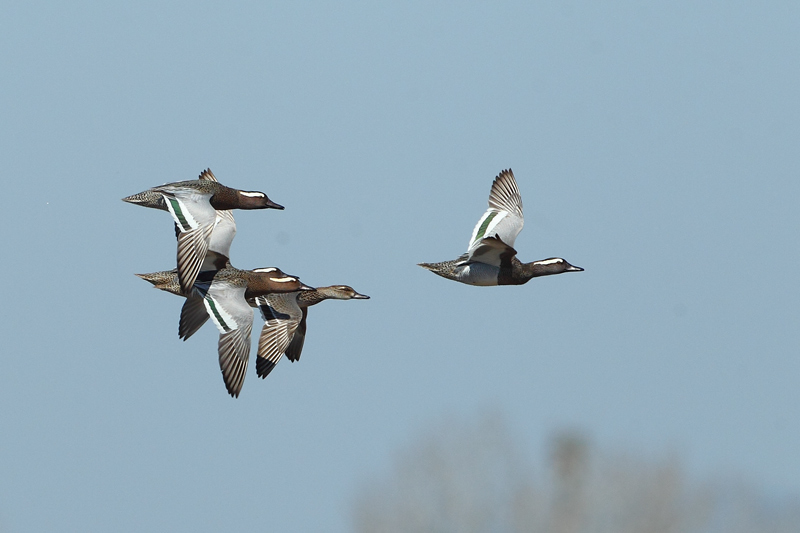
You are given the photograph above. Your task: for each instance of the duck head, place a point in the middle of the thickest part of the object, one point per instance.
(256, 200)
(554, 265)
(341, 292)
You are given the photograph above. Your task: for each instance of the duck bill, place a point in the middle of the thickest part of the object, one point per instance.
(574, 269)
(357, 296)
(304, 287)
(273, 205)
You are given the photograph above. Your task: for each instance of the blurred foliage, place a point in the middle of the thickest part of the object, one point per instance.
(462, 477)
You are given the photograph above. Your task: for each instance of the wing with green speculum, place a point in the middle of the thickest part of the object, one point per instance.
(195, 219)
(227, 308)
(501, 222)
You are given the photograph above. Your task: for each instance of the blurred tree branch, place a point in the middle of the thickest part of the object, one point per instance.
(473, 478)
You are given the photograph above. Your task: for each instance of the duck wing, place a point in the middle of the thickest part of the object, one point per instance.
(207, 175)
(219, 247)
(225, 304)
(193, 316)
(281, 315)
(296, 346)
(195, 220)
(492, 251)
(503, 220)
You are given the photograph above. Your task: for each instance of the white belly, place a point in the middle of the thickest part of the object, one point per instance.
(478, 274)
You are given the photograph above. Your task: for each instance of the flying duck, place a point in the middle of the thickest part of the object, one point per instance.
(491, 257)
(223, 296)
(285, 316)
(203, 221)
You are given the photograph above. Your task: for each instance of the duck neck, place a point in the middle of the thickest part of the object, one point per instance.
(224, 197)
(309, 298)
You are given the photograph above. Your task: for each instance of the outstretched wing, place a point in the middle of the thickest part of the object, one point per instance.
(503, 220)
(234, 350)
(195, 219)
(219, 245)
(296, 346)
(218, 252)
(281, 318)
(226, 306)
(192, 250)
(193, 316)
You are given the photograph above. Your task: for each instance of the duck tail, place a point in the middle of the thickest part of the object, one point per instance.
(137, 198)
(148, 198)
(166, 280)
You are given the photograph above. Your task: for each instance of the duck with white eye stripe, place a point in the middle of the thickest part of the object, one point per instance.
(491, 258)
(223, 296)
(284, 314)
(203, 222)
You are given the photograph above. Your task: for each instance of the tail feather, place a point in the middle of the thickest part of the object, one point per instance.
(148, 198)
(166, 280)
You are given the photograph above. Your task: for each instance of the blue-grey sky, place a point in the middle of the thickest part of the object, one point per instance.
(654, 145)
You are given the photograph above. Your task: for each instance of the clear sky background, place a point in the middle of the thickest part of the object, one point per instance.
(655, 146)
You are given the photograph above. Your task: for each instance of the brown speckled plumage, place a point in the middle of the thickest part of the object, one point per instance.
(285, 317)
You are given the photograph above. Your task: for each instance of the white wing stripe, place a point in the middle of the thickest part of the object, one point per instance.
(182, 216)
(221, 318)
